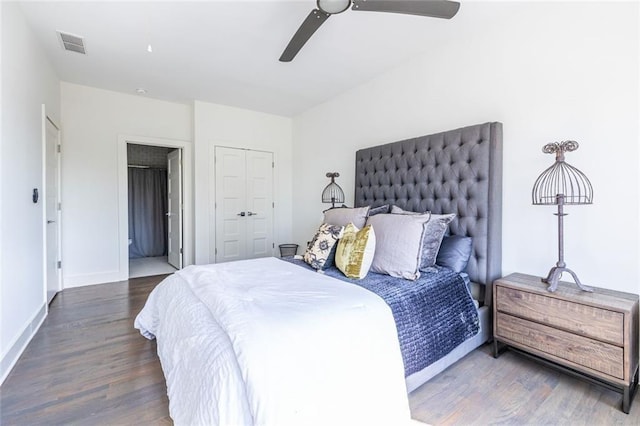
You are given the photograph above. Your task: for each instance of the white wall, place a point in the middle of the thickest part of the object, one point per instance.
(28, 81)
(548, 71)
(239, 128)
(93, 119)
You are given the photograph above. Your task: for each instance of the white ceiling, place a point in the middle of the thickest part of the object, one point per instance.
(227, 52)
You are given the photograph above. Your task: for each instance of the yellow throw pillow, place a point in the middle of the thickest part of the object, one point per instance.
(355, 251)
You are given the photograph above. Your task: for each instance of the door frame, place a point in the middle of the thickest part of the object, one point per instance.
(123, 197)
(43, 197)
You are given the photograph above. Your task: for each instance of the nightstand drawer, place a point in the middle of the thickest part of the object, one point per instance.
(601, 324)
(602, 357)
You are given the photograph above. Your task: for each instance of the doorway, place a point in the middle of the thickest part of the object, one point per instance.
(148, 206)
(185, 206)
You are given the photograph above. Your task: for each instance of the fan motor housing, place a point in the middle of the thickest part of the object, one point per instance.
(333, 6)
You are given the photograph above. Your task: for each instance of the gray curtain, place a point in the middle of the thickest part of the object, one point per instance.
(147, 212)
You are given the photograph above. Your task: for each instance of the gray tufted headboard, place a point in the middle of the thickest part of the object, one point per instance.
(459, 171)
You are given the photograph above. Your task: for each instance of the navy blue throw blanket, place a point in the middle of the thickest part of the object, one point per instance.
(433, 314)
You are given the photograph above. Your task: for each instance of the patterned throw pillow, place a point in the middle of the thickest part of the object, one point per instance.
(355, 251)
(320, 246)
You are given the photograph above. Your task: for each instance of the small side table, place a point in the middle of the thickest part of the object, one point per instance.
(593, 336)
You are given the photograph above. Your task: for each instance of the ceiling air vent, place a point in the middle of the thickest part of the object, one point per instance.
(72, 43)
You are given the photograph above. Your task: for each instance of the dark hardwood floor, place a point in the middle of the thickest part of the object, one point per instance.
(88, 365)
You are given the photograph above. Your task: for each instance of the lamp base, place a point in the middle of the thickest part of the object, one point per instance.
(554, 276)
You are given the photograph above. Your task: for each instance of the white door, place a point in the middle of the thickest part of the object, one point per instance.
(52, 209)
(174, 205)
(230, 172)
(244, 204)
(259, 204)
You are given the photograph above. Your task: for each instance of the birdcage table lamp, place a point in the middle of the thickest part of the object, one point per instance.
(560, 185)
(332, 193)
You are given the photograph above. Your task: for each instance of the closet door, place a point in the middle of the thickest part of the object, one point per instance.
(230, 206)
(244, 204)
(259, 218)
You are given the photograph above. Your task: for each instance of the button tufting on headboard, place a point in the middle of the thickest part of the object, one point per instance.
(459, 171)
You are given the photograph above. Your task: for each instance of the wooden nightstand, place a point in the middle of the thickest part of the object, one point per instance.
(590, 335)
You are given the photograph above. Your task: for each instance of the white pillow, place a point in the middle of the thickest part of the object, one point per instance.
(434, 230)
(398, 244)
(344, 215)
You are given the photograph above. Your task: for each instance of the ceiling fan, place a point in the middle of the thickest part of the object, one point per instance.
(433, 8)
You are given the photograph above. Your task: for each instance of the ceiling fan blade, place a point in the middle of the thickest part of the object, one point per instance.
(433, 8)
(304, 33)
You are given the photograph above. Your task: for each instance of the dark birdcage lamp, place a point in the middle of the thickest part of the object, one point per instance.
(559, 185)
(332, 193)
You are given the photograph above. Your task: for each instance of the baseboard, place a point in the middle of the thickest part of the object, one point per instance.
(11, 356)
(91, 279)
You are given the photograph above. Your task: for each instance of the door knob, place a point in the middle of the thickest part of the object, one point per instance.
(241, 214)
(51, 221)
(252, 214)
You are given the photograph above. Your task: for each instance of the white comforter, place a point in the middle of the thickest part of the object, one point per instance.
(266, 342)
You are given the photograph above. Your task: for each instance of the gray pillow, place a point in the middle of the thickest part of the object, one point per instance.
(378, 210)
(455, 252)
(434, 231)
(342, 216)
(398, 244)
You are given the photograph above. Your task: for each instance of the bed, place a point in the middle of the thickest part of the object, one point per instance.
(270, 342)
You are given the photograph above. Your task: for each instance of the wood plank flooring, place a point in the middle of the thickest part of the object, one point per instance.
(87, 365)
(513, 390)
